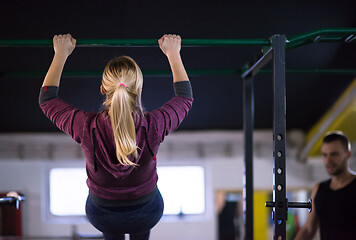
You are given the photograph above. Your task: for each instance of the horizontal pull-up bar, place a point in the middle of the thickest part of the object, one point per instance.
(321, 35)
(134, 42)
(41, 74)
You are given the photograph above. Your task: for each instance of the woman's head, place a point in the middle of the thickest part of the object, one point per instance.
(122, 84)
(123, 73)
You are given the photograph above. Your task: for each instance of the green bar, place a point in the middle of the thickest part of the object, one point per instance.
(41, 74)
(134, 42)
(321, 35)
(226, 42)
(25, 42)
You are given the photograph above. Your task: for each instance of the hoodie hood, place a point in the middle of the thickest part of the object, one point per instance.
(105, 149)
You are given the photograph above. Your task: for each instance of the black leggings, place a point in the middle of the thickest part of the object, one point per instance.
(134, 220)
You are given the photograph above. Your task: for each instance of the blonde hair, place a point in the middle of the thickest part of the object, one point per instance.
(122, 82)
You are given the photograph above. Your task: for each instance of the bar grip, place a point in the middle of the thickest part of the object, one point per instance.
(293, 204)
(301, 205)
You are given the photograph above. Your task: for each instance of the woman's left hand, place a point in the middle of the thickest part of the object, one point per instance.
(170, 44)
(64, 44)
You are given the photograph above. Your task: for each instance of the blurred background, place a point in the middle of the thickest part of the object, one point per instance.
(210, 140)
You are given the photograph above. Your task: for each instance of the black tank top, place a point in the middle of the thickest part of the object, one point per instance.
(336, 211)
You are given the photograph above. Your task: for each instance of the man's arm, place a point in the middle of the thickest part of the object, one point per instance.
(311, 225)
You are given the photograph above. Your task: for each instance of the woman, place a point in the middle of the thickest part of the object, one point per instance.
(120, 143)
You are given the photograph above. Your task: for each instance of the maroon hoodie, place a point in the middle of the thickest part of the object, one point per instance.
(107, 178)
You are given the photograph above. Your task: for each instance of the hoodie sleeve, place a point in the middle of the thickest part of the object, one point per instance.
(66, 117)
(168, 117)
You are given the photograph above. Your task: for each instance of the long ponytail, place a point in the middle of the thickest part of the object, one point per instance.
(122, 81)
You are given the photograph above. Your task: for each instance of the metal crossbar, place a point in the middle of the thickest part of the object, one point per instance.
(321, 35)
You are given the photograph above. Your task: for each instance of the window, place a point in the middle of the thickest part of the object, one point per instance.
(67, 191)
(182, 188)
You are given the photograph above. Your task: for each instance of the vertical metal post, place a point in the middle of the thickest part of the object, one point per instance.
(279, 138)
(248, 124)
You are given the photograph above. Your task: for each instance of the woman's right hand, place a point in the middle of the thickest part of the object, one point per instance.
(170, 44)
(64, 44)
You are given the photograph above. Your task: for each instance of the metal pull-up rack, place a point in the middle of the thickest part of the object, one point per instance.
(276, 53)
(274, 49)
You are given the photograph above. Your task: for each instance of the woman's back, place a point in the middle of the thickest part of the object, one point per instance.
(120, 144)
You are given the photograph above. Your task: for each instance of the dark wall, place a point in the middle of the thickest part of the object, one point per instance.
(218, 98)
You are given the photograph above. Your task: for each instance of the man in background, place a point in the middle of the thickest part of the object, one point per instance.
(334, 208)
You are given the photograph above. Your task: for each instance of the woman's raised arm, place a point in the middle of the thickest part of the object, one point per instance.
(63, 46)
